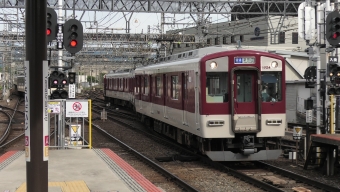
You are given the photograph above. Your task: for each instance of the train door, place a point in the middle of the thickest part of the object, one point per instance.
(245, 105)
(184, 97)
(197, 115)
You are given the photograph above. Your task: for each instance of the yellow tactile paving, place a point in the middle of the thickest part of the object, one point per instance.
(67, 186)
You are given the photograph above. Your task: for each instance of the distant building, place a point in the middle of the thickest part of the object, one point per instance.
(258, 31)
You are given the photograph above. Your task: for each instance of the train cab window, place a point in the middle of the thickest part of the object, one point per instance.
(146, 86)
(217, 87)
(271, 86)
(174, 87)
(244, 88)
(158, 86)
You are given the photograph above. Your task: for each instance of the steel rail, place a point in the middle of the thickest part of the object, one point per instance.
(164, 172)
(301, 178)
(216, 165)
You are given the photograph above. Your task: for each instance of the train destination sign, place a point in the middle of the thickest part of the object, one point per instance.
(244, 60)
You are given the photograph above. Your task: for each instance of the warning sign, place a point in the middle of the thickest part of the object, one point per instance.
(53, 107)
(75, 132)
(297, 132)
(77, 108)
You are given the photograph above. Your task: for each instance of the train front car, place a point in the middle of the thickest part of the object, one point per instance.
(242, 105)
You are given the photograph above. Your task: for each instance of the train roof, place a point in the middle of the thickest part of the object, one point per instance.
(194, 56)
(123, 73)
(199, 53)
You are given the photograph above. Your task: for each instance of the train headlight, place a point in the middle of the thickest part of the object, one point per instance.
(274, 64)
(213, 65)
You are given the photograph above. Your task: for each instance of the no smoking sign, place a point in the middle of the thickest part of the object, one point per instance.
(77, 108)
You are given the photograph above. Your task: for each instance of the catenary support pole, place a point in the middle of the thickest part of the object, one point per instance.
(36, 53)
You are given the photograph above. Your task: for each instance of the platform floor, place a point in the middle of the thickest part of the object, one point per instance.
(76, 170)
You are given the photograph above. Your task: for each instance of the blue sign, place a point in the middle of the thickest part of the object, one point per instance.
(244, 60)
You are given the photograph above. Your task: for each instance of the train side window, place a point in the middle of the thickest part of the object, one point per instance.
(158, 86)
(137, 85)
(217, 87)
(271, 83)
(174, 87)
(146, 85)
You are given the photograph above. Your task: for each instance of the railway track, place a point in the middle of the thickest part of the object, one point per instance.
(182, 152)
(14, 131)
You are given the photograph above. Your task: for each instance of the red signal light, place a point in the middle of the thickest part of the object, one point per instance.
(48, 32)
(73, 43)
(55, 82)
(335, 35)
(64, 82)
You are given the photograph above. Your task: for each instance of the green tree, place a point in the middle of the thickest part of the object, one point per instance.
(92, 79)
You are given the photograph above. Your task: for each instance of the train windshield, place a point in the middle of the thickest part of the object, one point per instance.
(271, 86)
(216, 87)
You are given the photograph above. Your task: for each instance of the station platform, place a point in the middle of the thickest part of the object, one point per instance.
(324, 149)
(76, 170)
(331, 139)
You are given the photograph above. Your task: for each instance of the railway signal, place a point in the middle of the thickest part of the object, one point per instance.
(58, 80)
(71, 77)
(51, 25)
(73, 36)
(333, 70)
(310, 76)
(59, 94)
(333, 28)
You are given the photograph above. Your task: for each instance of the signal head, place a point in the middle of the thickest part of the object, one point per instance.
(51, 25)
(59, 94)
(331, 91)
(72, 77)
(73, 36)
(333, 28)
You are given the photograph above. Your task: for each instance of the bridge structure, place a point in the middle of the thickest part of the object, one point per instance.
(109, 50)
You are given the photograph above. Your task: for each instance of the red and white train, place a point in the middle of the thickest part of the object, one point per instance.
(226, 103)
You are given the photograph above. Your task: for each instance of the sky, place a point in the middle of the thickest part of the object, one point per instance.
(140, 21)
(114, 21)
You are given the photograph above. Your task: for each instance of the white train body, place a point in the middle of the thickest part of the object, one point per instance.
(226, 103)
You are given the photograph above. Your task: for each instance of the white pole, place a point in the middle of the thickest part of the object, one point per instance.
(60, 21)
